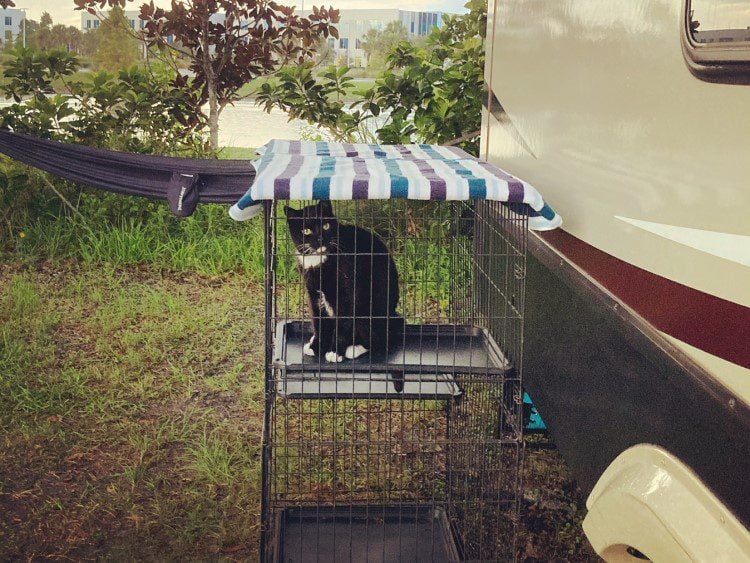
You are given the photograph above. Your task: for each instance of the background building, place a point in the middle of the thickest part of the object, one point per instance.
(11, 25)
(352, 27)
(354, 24)
(90, 21)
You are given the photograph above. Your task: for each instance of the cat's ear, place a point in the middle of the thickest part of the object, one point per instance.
(291, 212)
(327, 209)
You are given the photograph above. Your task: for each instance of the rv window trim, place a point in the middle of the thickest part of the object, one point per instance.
(726, 63)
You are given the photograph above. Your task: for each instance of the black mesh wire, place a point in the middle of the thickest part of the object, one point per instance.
(414, 454)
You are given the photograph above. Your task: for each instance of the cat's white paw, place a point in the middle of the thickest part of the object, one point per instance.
(334, 357)
(307, 349)
(355, 351)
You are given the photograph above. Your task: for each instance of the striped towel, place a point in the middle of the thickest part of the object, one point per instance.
(304, 170)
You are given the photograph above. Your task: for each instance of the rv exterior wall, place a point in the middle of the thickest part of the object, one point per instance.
(643, 160)
(597, 106)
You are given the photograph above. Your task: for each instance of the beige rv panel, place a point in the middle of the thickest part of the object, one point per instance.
(649, 500)
(643, 160)
(620, 130)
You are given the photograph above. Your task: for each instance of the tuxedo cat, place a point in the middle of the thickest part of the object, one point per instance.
(351, 282)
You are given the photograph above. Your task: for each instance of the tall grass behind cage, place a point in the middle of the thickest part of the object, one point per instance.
(372, 459)
(426, 240)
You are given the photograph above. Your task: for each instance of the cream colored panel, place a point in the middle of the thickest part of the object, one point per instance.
(650, 500)
(732, 376)
(619, 127)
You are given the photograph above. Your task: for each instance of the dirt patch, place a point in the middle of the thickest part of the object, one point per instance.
(46, 508)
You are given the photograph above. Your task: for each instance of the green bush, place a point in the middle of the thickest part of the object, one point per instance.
(136, 110)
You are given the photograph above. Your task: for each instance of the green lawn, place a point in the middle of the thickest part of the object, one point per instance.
(255, 85)
(238, 153)
(131, 391)
(131, 404)
(131, 408)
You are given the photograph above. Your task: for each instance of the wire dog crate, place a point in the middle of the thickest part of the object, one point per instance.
(410, 451)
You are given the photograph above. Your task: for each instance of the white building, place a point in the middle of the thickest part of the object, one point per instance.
(11, 24)
(90, 22)
(354, 24)
(352, 27)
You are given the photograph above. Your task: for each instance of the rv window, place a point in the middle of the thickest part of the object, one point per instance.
(716, 39)
(719, 21)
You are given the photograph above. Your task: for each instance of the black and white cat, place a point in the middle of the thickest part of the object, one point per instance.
(352, 285)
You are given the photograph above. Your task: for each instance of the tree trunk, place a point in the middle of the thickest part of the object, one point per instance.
(213, 117)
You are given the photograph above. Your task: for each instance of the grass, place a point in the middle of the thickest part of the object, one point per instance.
(361, 86)
(208, 243)
(237, 153)
(254, 86)
(132, 396)
(130, 409)
(58, 85)
(120, 231)
(131, 405)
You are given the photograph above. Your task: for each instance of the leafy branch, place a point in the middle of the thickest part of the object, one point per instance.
(431, 94)
(226, 43)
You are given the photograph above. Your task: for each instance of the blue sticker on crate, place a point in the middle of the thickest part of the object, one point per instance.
(534, 423)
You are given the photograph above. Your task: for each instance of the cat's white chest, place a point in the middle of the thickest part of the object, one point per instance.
(325, 305)
(314, 260)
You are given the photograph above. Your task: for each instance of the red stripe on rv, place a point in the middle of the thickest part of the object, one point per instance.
(712, 324)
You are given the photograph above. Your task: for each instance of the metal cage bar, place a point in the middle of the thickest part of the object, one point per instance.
(412, 452)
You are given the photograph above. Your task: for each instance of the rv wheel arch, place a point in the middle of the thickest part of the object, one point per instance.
(649, 503)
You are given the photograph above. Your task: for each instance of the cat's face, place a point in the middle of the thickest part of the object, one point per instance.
(313, 228)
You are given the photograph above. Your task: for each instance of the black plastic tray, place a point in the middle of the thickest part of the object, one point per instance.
(376, 534)
(421, 366)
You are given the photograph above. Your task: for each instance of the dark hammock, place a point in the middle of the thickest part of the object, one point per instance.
(184, 182)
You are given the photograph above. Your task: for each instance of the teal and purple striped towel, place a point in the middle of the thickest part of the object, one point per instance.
(306, 170)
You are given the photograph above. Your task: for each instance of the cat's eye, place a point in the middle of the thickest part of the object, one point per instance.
(306, 231)
(326, 226)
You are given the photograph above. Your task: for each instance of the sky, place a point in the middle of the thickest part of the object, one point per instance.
(62, 11)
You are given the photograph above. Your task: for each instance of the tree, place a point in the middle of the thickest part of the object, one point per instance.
(46, 21)
(227, 43)
(324, 53)
(44, 35)
(89, 43)
(432, 94)
(136, 109)
(31, 27)
(117, 47)
(66, 37)
(378, 43)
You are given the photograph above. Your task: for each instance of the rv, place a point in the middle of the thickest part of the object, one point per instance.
(633, 119)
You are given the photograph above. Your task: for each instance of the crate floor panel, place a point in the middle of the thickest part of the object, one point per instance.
(364, 385)
(378, 534)
(421, 365)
